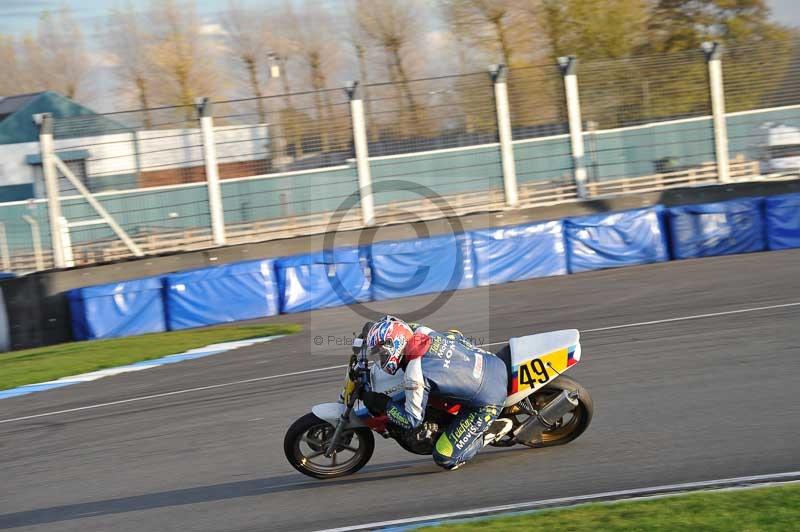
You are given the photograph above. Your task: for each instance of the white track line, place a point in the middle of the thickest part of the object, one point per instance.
(270, 377)
(167, 394)
(682, 318)
(568, 501)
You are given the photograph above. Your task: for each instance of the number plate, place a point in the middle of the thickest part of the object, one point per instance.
(537, 372)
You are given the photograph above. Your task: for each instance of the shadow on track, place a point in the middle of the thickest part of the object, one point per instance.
(214, 492)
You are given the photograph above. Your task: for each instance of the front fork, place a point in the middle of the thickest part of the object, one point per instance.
(344, 419)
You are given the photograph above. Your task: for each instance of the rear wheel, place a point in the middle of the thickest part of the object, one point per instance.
(308, 437)
(568, 427)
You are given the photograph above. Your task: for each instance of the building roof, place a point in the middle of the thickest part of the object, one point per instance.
(16, 116)
(11, 104)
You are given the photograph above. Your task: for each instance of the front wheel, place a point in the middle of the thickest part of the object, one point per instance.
(306, 440)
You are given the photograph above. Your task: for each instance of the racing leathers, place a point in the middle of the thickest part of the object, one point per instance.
(449, 367)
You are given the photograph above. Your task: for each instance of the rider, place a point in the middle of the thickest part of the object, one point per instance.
(446, 366)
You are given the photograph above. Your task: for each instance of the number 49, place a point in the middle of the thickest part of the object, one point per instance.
(539, 376)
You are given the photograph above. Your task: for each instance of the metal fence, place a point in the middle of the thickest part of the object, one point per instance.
(179, 178)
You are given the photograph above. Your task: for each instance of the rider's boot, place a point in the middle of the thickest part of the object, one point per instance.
(499, 428)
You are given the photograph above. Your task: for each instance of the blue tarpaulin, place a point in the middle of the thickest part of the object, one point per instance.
(323, 279)
(117, 309)
(231, 292)
(519, 252)
(615, 239)
(410, 267)
(719, 228)
(782, 214)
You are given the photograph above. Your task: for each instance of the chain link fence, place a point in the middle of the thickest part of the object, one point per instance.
(762, 98)
(287, 163)
(646, 116)
(432, 138)
(539, 127)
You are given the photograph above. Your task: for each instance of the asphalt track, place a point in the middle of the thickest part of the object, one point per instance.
(676, 401)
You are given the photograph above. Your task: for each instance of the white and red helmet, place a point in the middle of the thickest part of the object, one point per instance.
(388, 338)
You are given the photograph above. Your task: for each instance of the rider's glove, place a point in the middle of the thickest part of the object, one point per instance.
(376, 403)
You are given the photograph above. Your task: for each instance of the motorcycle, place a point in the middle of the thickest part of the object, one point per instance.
(545, 407)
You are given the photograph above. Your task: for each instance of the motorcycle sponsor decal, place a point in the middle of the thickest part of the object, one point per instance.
(535, 373)
(477, 370)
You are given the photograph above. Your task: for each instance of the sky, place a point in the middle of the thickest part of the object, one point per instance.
(20, 16)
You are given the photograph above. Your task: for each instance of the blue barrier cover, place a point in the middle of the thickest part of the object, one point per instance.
(782, 214)
(230, 292)
(519, 252)
(117, 309)
(323, 279)
(721, 228)
(615, 239)
(410, 267)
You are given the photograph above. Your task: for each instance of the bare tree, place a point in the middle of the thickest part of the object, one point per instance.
(358, 40)
(183, 61)
(246, 34)
(56, 56)
(14, 79)
(394, 27)
(318, 52)
(127, 39)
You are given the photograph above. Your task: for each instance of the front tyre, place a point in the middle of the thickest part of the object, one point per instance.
(306, 440)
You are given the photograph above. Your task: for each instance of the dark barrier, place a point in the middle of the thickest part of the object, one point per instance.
(5, 335)
(782, 215)
(519, 252)
(720, 228)
(38, 312)
(617, 239)
(411, 267)
(117, 309)
(323, 279)
(231, 292)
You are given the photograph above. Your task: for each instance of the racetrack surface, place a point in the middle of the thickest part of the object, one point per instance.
(677, 401)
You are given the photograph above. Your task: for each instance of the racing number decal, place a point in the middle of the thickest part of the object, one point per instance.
(532, 373)
(535, 373)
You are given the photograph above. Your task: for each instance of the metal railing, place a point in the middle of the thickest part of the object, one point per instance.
(181, 178)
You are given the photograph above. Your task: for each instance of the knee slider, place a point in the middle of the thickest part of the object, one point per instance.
(445, 462)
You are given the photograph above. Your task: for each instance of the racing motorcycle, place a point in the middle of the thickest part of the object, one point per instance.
(545, 407)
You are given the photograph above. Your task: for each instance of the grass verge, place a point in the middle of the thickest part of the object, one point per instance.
(756, 509)
(43, 364)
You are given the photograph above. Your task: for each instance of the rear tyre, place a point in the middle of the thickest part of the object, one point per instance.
(306, 440)
(568, 427)
(572, 425)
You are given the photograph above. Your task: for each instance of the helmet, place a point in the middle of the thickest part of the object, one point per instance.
(388, 337)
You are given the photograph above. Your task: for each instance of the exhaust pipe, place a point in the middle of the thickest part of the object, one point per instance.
(531, 431)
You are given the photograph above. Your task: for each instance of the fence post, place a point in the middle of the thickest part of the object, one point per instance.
(713, 52)
(4, 253)
(212, 171)
(45, 123)
(63, 229)
(569, 66)
(499, 75)
(362, 153)
(37, 241)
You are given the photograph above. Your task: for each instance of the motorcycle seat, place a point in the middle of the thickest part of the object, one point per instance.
(525, 348)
